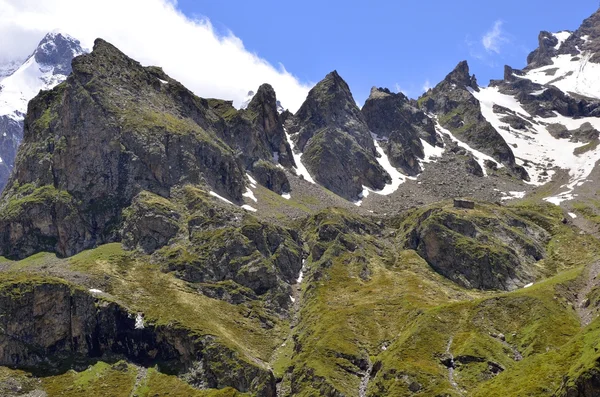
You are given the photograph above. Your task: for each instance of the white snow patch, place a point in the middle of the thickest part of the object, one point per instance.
(431, 152)
(249, 208)
(139, 321)
(163, 81)
(539, 92)
(95, 291)
(556, 200)
(513, 195)
(292, 299)
(252, 181)
(479, 156)
(397, 177)
(528, 285)
(569, 74)
(536, 149)
(220, 197)
(286, 196)
(562, 37)
(301, 170)
(572, 215)
(250, 194)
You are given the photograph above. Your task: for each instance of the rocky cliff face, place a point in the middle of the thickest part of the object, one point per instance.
(338, 148)
(112, 129)
(459, 111)
(299, 291)
(48, 326)
(483, 253)
(393, 117)
(48, 65)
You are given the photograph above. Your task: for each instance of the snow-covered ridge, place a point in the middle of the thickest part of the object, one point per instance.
(570, 74)
(536, 149)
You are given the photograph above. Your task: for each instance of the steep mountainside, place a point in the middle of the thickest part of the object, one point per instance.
(47, 66)
(156, 243)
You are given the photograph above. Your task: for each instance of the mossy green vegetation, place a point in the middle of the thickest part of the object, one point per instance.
(366, 302)
(28, 195)
(588, 147)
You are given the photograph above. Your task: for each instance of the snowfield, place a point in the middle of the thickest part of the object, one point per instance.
(538, 151)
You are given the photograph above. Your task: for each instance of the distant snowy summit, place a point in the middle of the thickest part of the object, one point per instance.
(20, 81)
(47, 66)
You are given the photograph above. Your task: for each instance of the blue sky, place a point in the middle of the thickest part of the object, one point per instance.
(394, 44)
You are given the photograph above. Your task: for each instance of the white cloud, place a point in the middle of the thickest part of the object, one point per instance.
(427, 86)
(400, 89)
(153, 32)
(493, 39)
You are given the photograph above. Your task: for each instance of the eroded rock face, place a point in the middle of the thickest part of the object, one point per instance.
(586, 386)
(392, 116)
(150, 223)
(484, 253)
(256, 132)
(113, 129)
(271, 177)
(460, 112)
(338, 148)
(50, 327)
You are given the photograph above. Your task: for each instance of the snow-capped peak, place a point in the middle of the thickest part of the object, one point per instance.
(48, 65)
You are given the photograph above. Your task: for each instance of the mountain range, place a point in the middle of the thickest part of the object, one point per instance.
(156, 243)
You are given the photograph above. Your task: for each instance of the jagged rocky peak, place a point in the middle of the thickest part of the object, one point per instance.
(91, 145)
(338, 149)
(458, 111)
(461, 77)
(547, 48)
(401, 126)
(330, 103)
(57, 50)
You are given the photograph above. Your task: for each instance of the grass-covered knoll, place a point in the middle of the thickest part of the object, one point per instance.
(493, 246)
(366, 300)
(492, 339)
(166, 300)
(358, 296)
(116, 380)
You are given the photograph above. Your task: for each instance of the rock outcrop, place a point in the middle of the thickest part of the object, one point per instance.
(49, 327)
(113, 129)
(338, 149)
(459, 111)
(477, 251)
(392, 116)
